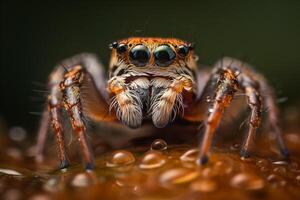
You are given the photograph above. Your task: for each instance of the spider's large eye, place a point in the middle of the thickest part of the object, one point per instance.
(164, 55)
(139, 55)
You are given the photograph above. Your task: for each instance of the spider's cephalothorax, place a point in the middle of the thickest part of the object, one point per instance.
(153, 79)
(148, 77)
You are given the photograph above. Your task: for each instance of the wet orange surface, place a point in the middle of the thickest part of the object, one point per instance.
(156, 171)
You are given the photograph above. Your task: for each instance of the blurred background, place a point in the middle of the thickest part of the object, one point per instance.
(36, 35)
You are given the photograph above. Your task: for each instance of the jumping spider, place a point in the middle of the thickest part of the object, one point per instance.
(153, 79)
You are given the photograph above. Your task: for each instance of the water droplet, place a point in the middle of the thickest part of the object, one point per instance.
(152, 159)
(247, 181)
(208, 172)
(17, 133)
(83, 179)
(40, 197)
(159, 145)
(53, 185)
(262, 163)
(178, 176)
(280, 162)
(280, 170)
(276, 180)
(10, 172)
(190, 155)
(120, 158)
(222, 167)
(298, 179)
(235, 146)
(204, 185)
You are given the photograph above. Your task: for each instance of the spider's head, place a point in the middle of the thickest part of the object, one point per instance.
(153, 56)
(145, 69)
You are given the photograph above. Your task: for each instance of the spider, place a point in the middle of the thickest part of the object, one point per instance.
(153, 80)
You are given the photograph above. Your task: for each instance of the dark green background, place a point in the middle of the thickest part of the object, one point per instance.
(35, 35)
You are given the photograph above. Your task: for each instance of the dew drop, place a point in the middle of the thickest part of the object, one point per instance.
(204, 185)
(17, 133)
(223, 167)
(276, 180)
(120, 158)
(298, 179)
(190, 155)
(247, 181)
(152, 159)
(280, 162)
(53, 185)
(235, 146)
(178, 176)
(159, 145)
(280, 171)
(10, 172)
(83, 179)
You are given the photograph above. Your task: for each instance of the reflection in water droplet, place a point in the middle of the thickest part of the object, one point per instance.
(152, 159)
(298, 179)
(53, 185)
(190, 155)
(204, 185)
(223, 167)
(247, 181)
(178, 176)
(120, 158)
(40, 197)
(159, 145)
(235, 146)
(280, 171)
(10, 172)
(276, 180)
(83, 179)
(17, 133)
(280, 162)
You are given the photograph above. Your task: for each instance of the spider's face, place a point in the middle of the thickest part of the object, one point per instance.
(147, 68)
(152, 57)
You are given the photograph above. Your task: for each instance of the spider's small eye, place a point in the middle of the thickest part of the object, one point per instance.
(121, 48)
(164, 55)
(139, 55)
(183, 50)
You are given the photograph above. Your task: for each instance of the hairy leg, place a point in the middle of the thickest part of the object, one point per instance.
(253, 85)
(71, 98)
(227, 85)
(94, 80)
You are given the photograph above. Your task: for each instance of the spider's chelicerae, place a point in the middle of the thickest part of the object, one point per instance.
(156, 80)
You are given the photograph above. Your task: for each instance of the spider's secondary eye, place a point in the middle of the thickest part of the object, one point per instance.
(121, 48)
(164, 55)
(183, 50)
(139, 55)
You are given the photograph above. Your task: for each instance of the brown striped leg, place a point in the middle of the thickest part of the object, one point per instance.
(254, 102)
(226, 87)
(70, 88)
(54, 107)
